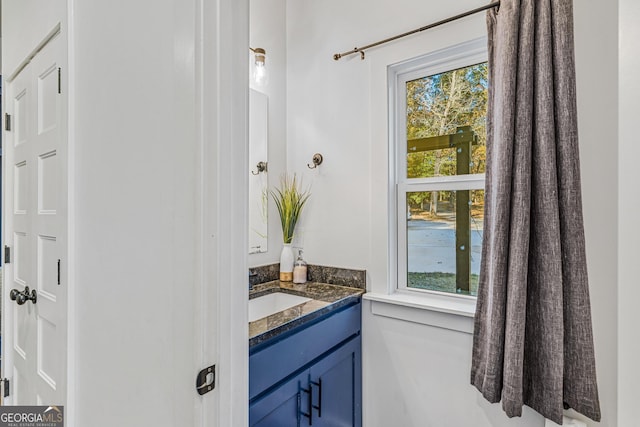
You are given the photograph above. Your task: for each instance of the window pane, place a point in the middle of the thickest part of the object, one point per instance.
(446, 123)
(444, 240)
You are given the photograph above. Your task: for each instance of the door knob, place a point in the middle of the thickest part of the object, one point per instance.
(23, 296)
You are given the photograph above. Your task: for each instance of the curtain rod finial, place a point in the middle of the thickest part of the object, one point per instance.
(337, 56)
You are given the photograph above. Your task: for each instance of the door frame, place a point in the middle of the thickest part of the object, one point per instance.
(225, 133)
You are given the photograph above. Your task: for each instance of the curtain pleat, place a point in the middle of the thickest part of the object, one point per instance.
(533, 342)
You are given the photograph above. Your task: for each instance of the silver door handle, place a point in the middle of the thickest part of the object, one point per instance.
(22, 297)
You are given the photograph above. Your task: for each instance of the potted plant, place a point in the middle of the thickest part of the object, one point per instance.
(289, 199)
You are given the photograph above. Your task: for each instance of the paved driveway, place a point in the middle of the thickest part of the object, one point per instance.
(431, 246)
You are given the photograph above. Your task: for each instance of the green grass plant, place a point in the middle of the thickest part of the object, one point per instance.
(290, 200)
(443, 282)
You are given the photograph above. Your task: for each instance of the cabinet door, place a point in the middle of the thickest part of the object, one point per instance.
(281, 407)
(337, 387)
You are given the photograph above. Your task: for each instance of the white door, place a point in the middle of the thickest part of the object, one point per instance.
(35, 156)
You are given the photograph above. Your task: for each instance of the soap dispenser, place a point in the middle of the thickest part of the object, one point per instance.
(300, 269)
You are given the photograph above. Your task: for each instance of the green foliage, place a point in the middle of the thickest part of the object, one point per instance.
(438, 105)
(289, 200)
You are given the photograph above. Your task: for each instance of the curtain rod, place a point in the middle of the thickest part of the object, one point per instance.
(426, 27)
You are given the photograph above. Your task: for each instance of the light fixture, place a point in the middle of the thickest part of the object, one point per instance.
(259, 71)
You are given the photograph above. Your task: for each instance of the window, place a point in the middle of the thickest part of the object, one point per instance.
(439, 142)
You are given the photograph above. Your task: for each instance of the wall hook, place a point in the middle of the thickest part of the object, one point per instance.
(261, 167)
(317, 161)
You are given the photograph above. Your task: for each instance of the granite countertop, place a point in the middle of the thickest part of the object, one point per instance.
(324, 299)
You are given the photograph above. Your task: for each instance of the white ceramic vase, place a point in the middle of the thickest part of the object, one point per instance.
(286, 263)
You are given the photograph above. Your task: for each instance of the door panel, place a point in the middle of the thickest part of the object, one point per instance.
(339, 396)
(20, 107)
(36, 222)
(280, 407)
(21, 258)
(47, 183)
(47, 98)
(19, 227)
(20, 194)
(47, 267)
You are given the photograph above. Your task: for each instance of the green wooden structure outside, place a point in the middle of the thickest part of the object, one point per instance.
(462, 141)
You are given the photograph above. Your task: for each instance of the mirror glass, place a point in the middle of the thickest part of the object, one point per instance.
(258, 172)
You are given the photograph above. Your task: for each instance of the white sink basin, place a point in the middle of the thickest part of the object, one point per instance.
(272, 303)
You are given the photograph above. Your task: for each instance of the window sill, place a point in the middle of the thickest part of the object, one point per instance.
(428, 309)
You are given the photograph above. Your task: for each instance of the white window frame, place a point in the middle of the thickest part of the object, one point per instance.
(455, 57)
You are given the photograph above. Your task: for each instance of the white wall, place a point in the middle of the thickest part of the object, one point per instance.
(30, 22)
(267, 30)
(418, 375)
(136, 173)
(628, 207)
(160, 142)
(597, 92)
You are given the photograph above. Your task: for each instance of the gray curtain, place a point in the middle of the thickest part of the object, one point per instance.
(533, 342)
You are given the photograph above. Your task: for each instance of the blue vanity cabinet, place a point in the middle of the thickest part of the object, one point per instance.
(322, 382)
(336, 389)
(281, 407)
